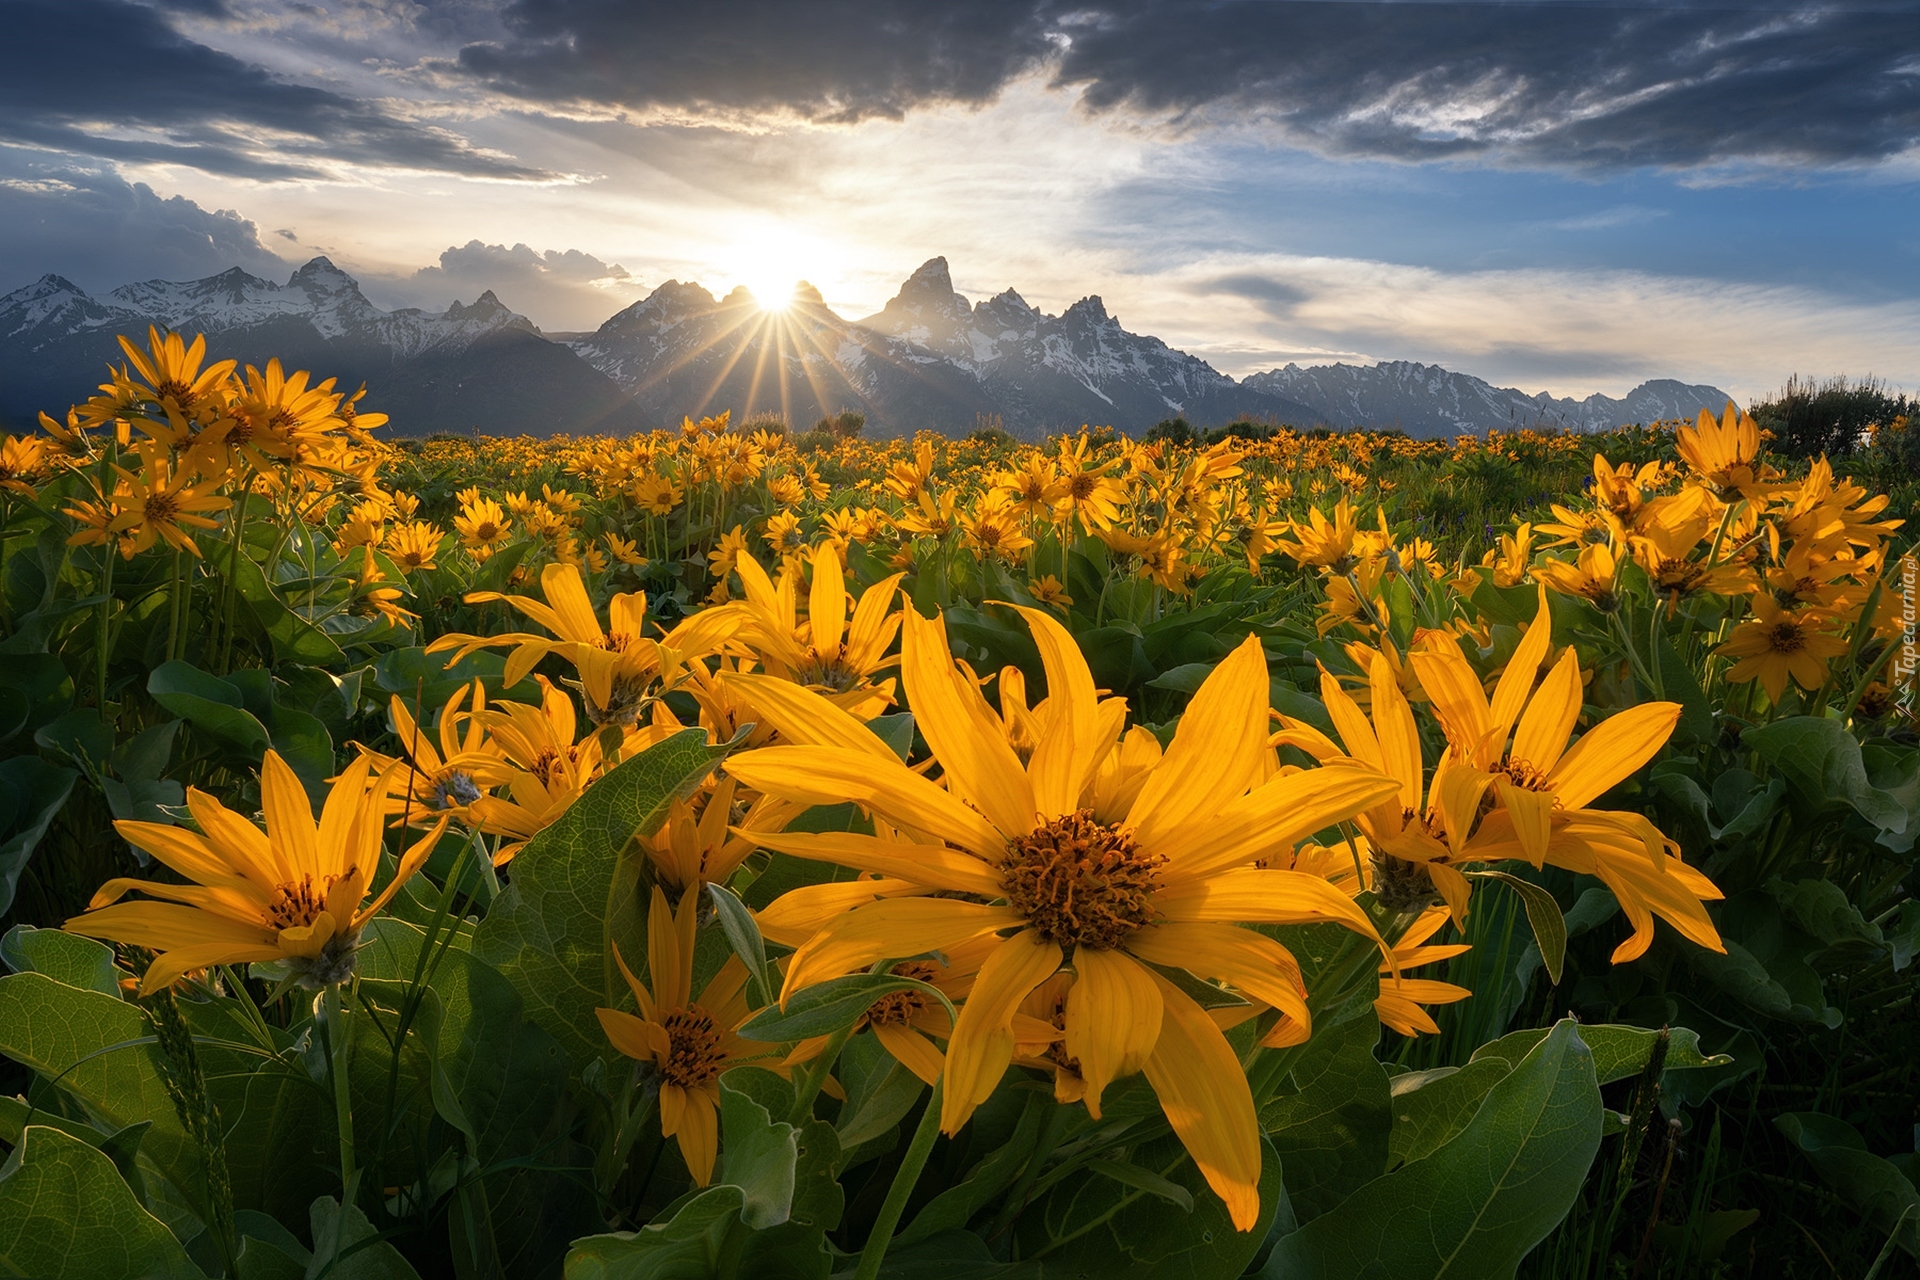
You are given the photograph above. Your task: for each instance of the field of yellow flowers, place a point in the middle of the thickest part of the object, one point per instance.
(733, 851)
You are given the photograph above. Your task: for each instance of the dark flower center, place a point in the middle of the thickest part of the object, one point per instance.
(1080, 882)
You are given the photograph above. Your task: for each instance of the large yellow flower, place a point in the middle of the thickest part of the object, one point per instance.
(690, 1041)
(830, 650)
(618, 664)
(293, 892)
(1028, 852)
(1777, 643)
(1723, 453)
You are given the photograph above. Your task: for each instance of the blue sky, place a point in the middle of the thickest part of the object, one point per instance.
(1559, 196)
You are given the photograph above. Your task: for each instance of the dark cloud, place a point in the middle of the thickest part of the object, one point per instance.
(838, 61)
(113, 80)
(1276, 297)
(101, 232)
(1562, 83)
(1534, 83)
(558, 289)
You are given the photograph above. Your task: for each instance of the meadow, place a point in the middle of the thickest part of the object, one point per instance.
(742, 850)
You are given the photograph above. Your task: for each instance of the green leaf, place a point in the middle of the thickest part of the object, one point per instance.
(575, 894)
(42, 790)
(1875, 1189)
(1618, 1051)
(1132, 1175)
(743, 935)
(1682, 686)
(827, 1007)
(1098, 1227)
(685, 1247)
(880, 1091)
(1331, 1130)
(1478, 1204)
(758, 1156)
(346, 1247)
(1822, 909)
(66, 1212)
(293, 638)
(1823, 764)
(98, 1048)
(1429, 1107)
(1543, 913)
(80, 736)
(210, 703)
(423, 679)
(954, 1255)
(64, 957)
(986, 1180)
(41, 682)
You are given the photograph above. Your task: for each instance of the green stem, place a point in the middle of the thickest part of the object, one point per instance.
(107, 457)
(333, 1013)
(238, 530)
(816, 1076)
(904, 1180)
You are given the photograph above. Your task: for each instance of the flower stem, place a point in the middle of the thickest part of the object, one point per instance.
(333, 1013)
(816, 1076)
(904, 1180)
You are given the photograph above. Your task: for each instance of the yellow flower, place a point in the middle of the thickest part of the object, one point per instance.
(690, 1042)
(1594, 576)
(174, 378)
(1324, 542)
(546, 769)
(160, 499)
(625, 550)
(992, 530)
(449, 779)
(1167, 881)
(294, 892)
(832, 651)
(23, 459)
(413, 546)
(1776, 643)
(1722, 453)
(1049, 590)
(482, 525)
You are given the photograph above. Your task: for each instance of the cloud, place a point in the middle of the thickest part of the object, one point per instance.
(1567, 331)
(101, 231)
(1581, 85)
(565, 290)
(839, 61)
(114, 80)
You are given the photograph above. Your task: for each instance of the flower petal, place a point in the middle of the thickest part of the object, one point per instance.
(978, 763)
(982, 1045)
(1205, 1097)
(890, 930)
(1612, 751)
(1113, 1019)
(1215, 752)
(1550, 715)
(931, 865)
(912, 1050)
(823, 775)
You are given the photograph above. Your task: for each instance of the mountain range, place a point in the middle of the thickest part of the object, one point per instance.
(928, 359)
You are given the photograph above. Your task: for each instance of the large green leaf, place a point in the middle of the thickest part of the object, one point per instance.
(1429, 1107)
(502, 1081)
(35, 791)
(66, 1212)
(64, 957)
(1475, 1207)
(207, 702)
(1823, 764)
(574, 894)
(98, 1048)
(1618, 1052)
(758, 1155)
(1099, 1226)
(684, 1247)
(1874, 1188)
(1331, 1124)
(293, 638)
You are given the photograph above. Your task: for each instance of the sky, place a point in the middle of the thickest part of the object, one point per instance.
(1565, 196)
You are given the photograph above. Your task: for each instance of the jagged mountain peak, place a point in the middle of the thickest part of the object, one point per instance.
(320, 273)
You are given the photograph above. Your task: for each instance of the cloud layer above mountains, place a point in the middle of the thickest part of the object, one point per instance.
(1442, 181)
(1552, 84)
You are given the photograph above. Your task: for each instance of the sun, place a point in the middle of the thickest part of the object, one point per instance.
(770, 261)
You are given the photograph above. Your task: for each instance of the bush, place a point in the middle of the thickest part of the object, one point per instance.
(765, 420)
(1173, 430)
(1810, 418)
(845, 425)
